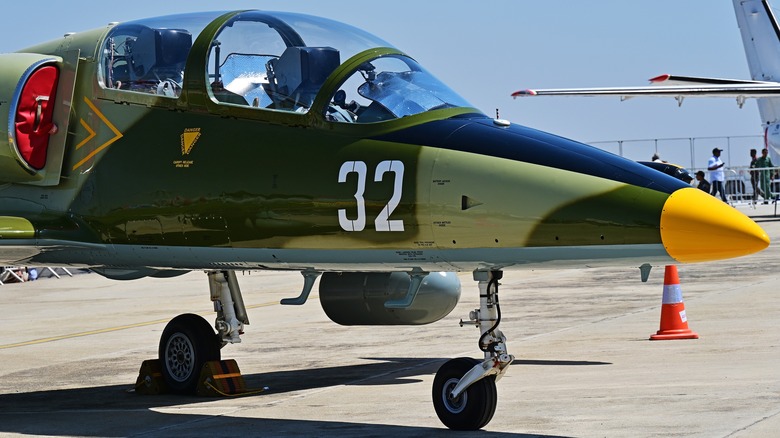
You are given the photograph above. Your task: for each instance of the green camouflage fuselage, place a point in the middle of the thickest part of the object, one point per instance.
(192, 183)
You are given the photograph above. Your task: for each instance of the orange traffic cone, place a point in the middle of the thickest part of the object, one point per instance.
(674, 322)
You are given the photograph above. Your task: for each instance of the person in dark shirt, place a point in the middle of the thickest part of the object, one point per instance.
(754, 176)
(764, 177)
(703, 183)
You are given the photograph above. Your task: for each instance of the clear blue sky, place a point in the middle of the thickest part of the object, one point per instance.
(486, 50)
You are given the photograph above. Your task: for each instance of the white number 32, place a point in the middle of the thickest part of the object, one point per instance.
(382, 222)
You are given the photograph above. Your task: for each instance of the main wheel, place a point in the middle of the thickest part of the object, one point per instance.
(474, 407)
(187, 342)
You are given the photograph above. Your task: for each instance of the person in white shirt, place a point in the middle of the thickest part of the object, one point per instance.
(717, 175)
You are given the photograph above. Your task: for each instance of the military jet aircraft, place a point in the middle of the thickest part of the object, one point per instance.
(274, 141)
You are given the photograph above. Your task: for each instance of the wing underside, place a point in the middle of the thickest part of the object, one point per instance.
(678, 87)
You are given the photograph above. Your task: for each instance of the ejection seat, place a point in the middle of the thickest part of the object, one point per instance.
(295, 77)
(155, 61)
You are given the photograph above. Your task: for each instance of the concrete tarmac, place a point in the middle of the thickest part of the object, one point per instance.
(71, 349)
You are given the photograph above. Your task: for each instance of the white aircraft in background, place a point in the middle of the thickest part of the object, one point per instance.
(761, 38)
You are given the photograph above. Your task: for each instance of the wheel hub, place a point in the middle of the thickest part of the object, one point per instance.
(179, 357)
(453, 404)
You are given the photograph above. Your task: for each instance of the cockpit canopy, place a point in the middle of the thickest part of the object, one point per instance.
(272, 62)
(150, 55)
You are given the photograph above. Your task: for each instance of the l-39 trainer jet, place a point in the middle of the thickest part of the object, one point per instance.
(274, 141)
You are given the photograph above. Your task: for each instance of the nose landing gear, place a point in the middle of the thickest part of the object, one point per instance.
(464, 389)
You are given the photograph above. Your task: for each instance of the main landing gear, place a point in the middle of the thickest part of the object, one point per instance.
(464, 389)
(189, 341)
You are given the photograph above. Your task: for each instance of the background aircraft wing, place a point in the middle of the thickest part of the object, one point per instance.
(667, 79)
(678, 87)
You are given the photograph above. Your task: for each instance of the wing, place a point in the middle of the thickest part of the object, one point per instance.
(16, 234)
(677, 87)
(20, 244)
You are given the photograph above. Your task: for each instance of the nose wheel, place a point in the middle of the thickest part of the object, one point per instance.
(187, 342)
(473, 408)
(464, 389)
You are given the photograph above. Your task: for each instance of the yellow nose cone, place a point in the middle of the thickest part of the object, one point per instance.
(697, 227)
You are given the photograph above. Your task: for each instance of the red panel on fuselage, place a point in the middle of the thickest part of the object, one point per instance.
(34, 115)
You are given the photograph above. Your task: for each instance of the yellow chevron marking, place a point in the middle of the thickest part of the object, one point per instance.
(91, 134)
(117, 135)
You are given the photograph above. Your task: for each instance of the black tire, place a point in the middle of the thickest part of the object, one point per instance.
(475, 406)
(187, 342)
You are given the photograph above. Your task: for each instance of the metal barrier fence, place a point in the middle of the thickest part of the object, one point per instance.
(688, 152)
(20, 274)
(693, 153)
(746, 185)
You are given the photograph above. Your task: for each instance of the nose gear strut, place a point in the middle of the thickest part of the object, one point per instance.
(464, 389)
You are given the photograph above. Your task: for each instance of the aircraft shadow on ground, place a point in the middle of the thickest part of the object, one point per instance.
(116, 411)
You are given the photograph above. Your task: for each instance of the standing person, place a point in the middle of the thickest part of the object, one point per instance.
(764, 162)
(717, 175)
(754, 176)
(703, 183)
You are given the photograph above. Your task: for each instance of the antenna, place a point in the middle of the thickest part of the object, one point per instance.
(498, 121)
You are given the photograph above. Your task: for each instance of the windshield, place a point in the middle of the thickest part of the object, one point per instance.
(389, 87)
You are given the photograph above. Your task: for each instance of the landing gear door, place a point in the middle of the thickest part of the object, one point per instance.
(61, 117)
